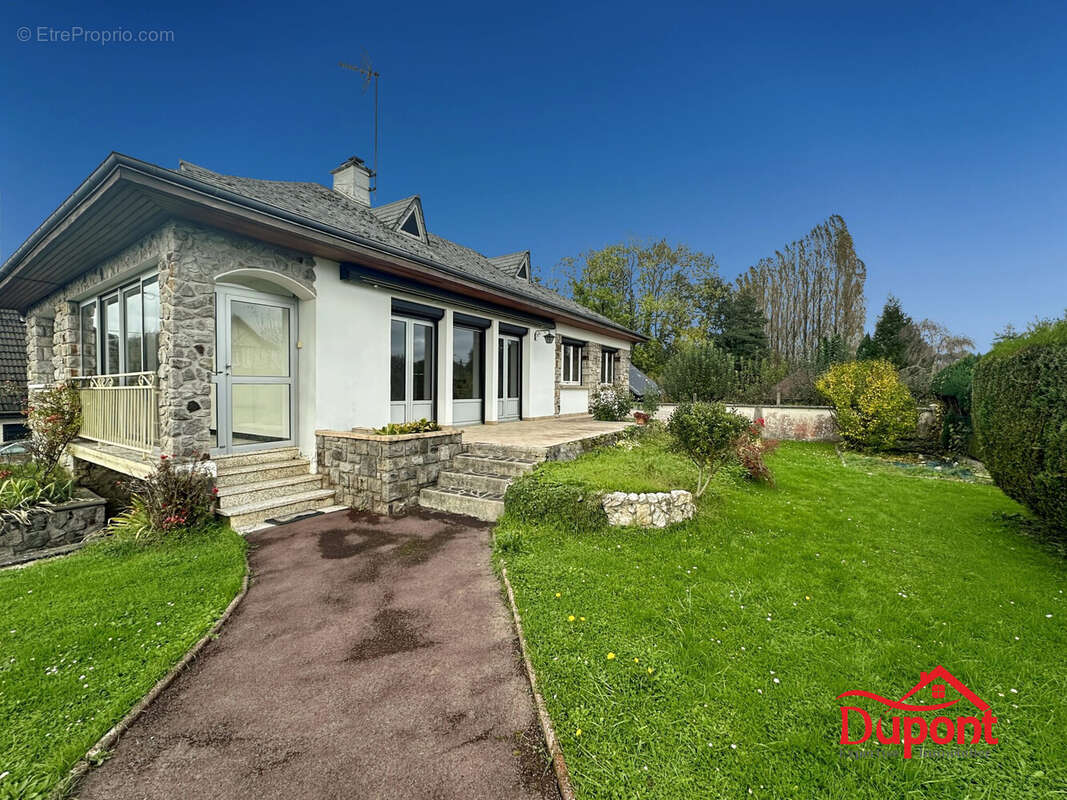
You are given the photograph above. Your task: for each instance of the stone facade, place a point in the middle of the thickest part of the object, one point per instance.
(591, 369)
(188, 258)
(47, 528)
(384, 474)
(648, 510)
(112, 486)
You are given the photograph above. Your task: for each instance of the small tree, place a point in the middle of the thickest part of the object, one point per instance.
(872, 406)
(55, 419)
(707, 434)
(700, 371)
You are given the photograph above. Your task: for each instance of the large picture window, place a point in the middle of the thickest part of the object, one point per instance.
(468, 354)
(119, 331)
(572, 363)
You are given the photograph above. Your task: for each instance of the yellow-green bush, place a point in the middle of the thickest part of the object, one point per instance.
(872, 406)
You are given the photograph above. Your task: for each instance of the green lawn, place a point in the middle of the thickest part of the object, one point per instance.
(733, 634)
(83, 638)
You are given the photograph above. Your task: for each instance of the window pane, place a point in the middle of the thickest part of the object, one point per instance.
(150, 297)
(398, 361)
(566, 362)
(132, 300)
(468, 353)
(513, 368)
(89, 340)
(260, 412)
(259, 340)
(422, 362)
(112, 334)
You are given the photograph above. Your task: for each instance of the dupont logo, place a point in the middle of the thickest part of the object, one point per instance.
(973, 727)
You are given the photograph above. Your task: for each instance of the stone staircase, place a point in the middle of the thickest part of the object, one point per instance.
(475, 483)
(254, 487)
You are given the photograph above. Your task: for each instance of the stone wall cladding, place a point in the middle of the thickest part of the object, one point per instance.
(56, 526)
(384, 474)
(648, 510)
(112, 486)
(194, 257)
(591, 369)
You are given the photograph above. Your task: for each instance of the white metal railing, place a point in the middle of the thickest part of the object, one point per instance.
(120, 409)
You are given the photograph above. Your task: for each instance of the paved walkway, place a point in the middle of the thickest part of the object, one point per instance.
(541, 432)
(372, 658)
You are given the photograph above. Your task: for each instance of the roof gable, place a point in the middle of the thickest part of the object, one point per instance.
(517, 265)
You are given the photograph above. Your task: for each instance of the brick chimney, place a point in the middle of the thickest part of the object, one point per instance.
(352, 179)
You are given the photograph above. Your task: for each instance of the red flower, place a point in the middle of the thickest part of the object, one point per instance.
(760, 422)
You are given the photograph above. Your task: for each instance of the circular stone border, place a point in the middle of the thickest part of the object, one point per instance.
(648, 509)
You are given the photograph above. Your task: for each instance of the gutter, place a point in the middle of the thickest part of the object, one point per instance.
(115, 160)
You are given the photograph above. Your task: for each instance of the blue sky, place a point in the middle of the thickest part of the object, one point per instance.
(938, 133)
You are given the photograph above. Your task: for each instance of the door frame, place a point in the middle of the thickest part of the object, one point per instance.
(224, 380)
(409, 376)
(504, 340)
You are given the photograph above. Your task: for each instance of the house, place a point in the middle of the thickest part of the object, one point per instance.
(12, 376)
(206, 313)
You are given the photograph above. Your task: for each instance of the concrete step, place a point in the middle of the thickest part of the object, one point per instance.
(243, 494)
(263, 471)
(228, 463)
(491, 450)
(473, 482)
(244, 517)
(457, 501)
(490, 465)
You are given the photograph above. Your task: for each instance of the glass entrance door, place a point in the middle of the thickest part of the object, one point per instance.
(509, 377)
(411, 370)
(253, 387)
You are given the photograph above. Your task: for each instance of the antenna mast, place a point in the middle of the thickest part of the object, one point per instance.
(369, 75)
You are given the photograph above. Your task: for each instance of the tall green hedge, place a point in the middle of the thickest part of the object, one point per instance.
(1019, 410)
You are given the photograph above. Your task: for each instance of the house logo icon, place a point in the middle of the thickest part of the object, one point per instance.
(913, 729)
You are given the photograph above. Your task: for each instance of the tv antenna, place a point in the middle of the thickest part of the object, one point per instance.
(369, 75)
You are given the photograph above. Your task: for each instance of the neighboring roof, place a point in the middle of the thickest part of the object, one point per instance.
(125, 198)
(12, 360)
(513, 264)
(640, 383)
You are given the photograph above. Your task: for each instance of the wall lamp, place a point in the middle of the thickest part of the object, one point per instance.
(547, 335)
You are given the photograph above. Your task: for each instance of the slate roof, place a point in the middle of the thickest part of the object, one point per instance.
(326, 206)
(12, 359)
(640, 383)
(510, 263)
(391, 213)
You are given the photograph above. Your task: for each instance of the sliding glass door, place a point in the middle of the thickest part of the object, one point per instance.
(509, 377)
(468, 375)
(411, 370)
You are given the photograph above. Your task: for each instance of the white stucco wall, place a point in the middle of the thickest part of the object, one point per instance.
(539, 378)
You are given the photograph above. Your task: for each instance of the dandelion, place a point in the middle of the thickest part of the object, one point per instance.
(578, 732)
(807, 597)
(611, 656)
(570, 618)
(558, 594)
(650, 670)
(581, 619)
(637, 660)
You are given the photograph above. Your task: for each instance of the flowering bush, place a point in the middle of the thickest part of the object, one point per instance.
(178, 496)
(611, 404)
(707, 434)
(751, 447)
(872, 407)
(55, 419)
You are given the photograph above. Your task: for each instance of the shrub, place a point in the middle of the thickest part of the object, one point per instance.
(611, 404)
(952, 386)
(706, 433)
(751, 447)
(178, 496)
(536, 499)
(651, 402)
(1019, 409)
(23, 486)
(698, 371)
(55, 420)
(399, 428)
(872, 407)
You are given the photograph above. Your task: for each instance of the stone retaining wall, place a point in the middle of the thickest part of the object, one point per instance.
(648, 510)
(45, 529)
(384, 474)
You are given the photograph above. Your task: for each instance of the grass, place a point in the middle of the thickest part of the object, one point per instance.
(734, 634)
(83, 638)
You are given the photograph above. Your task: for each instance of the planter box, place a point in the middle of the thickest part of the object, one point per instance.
(384, 474)
(51, 527)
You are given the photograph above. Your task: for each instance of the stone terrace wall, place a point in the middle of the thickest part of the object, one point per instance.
(648, 510)
(384, 474)
(45, 529)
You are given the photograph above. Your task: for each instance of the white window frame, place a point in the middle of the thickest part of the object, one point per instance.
(117, 293)
(575, 377)
(607, 367)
